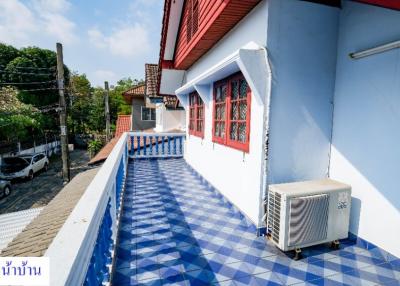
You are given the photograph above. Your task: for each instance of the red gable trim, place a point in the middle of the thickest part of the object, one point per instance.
(164, 31)
(215, 19)
(391, 4)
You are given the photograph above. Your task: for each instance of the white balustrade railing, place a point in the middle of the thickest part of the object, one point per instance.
(82, 253)
(156, 145)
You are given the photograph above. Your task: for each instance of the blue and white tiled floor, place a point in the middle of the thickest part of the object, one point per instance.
(176, 230)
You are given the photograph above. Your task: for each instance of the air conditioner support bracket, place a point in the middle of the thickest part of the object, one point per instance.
(297, 254)
(335, 244)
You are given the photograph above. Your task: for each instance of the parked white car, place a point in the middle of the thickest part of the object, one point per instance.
(24, 166)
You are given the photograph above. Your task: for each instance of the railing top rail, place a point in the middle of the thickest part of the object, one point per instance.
(69, 250)
(165, 134)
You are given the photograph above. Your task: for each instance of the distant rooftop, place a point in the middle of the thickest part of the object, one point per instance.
(137, 91)
(151, 73)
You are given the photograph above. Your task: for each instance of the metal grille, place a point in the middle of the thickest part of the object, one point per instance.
(308, 219)
(274, 214)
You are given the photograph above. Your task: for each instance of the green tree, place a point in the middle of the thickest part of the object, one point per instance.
(18, 121)
(32, 71)
(79, 92)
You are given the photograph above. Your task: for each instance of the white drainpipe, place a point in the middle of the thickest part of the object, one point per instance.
(265, 182)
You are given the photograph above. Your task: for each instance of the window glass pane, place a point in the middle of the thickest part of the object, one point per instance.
(235, 111)
(218, 112)
(235, 90)
(242, 132)
(153, 114)
(222, 129)
(217, 129)
(243, 110)
(200, 125)
(224, 91)
(145, 113)
(243, 89)
(234, 131)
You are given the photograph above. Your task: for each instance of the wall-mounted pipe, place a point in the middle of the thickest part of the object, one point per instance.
(376, 50)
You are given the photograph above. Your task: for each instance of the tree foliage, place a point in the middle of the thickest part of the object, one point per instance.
(87, 112)
(32, 71)
(18, 121)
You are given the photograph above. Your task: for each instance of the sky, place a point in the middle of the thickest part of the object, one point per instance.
(104, 39)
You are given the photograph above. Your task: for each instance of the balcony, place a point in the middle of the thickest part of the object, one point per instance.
(148, 218)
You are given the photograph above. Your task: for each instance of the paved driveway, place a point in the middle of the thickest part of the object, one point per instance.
(44, 187)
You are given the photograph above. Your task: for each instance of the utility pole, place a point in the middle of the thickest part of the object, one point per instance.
(63, 114)
(107, 110)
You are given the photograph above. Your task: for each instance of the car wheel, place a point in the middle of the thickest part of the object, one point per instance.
(31, 175)
(7, 191)
(46, 167)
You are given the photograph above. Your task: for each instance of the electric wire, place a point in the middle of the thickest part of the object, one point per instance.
(27, 83)
(27, 73)
(31, 68)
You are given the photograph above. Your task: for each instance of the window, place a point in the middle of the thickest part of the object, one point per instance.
(231, 118)
(196, 115)
(148, 114)
(192, 20)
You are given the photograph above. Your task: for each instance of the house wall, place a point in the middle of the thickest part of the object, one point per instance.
(302, 46)
(237, 175)
(366, 130)
(169, 119)
(137, 122)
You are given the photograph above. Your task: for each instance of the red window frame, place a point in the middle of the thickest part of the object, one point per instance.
(196, 115)
(228, 120)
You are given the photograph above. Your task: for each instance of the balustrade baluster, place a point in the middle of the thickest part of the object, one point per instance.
(180, 146)
(132, 145)
(169, 145)
(157, 146)
(144, 145)
(163, 145)
(138, 146)
(174, 145)
(151, 145)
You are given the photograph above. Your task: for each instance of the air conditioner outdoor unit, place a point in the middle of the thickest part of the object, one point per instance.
(306, 213)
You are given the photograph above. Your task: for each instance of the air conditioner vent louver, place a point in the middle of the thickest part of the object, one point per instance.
(275, 212)
(308, 219)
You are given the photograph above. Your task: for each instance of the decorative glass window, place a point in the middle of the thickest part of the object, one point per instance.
(231, 119)
(148, 114)
(196, 115)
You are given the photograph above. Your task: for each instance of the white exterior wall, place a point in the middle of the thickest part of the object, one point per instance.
(169, 119)
(302, 41)
(366, 127)
(237, 175)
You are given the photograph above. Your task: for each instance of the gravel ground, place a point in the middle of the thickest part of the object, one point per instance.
(44, 187)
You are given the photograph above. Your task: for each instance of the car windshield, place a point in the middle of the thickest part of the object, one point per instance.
(27, 158)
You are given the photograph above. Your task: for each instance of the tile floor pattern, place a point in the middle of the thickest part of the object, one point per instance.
(177, 231)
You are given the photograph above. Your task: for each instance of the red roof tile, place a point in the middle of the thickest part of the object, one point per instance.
(151, 74)
(137, 91)
(123, 125)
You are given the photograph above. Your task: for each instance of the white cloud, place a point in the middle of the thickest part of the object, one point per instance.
(21, 24)
(52, 6)
(100, 76)
(16, 22)
(59, 27)
(126, 41)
